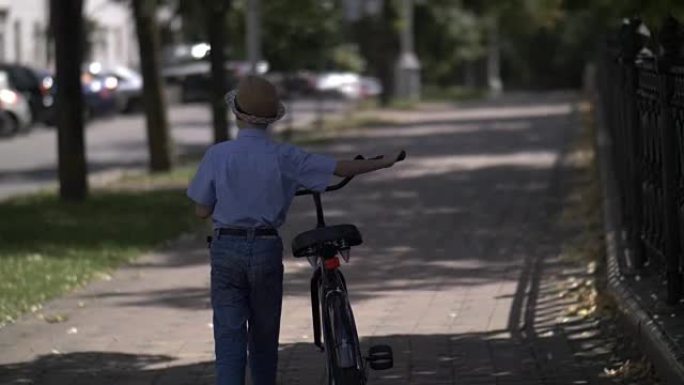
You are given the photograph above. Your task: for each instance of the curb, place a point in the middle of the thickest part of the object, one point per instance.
(652, 339)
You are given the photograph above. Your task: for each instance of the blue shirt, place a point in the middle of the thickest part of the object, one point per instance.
(251, 181)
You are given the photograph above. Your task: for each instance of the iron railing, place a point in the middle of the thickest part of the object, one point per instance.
(641, 88)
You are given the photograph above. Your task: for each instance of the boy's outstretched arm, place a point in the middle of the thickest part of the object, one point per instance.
(348, 168)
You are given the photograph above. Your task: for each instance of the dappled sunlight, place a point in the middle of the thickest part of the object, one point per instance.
(481, 113)
(445, 273)
(448, 127)
(328, 214)
(438, 165)
(422, 130)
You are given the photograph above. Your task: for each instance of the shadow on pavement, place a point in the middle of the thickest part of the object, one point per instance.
(475, 204)
(469, 358)
(466, 208)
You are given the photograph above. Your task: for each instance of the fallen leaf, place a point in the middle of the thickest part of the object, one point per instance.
(55, 318)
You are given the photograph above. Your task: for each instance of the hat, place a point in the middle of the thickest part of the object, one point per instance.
(255, 101)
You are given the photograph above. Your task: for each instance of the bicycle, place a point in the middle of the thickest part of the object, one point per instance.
(331, 311)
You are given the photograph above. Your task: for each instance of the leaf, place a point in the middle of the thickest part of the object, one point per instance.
(55, 318)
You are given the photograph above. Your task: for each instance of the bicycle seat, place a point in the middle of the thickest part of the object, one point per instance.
(303, 242)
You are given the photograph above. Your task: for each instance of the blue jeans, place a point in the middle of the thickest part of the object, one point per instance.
(246, 295)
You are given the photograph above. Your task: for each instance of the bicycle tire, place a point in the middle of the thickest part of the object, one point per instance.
(338, 310)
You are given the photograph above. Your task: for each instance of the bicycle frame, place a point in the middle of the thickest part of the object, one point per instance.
(327, 286)
(328, 281)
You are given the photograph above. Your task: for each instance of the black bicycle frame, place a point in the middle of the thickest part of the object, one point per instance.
(316, 309)
(320, 219)
(321, 273)
(327, 280)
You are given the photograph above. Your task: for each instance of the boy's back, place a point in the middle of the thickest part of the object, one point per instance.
(257, 179)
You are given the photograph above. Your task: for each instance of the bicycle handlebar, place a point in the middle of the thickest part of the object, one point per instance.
(345, 181)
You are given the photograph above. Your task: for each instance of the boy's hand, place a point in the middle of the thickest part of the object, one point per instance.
(397, 158)
(349, 168)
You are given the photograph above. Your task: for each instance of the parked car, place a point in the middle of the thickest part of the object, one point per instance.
(29, 82)
(15, 112)
(194, 79)
(99, 93)
(348, 85)
(129, 89)
(339, 84)
(187, 67)
(370, 87)
(294, 84)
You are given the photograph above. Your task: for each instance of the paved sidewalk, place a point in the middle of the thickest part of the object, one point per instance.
(459, 272)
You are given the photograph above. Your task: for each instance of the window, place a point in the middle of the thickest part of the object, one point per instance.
(3, 34)
(38, 44)
(18, 49)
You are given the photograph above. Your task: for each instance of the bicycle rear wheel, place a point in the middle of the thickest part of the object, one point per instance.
(345, 362)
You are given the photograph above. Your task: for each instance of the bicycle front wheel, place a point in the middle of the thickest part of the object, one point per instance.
(345, 362)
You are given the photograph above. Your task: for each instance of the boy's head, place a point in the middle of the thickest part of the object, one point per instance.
(255, 102)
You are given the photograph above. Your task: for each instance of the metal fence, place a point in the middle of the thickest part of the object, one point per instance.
(641, 87)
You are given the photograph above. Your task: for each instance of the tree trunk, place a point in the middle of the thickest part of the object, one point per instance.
(216, 27)
(494, 59)
(67, 26)
(470, 74)
(158, 140)
(386, 78)
(386, 55)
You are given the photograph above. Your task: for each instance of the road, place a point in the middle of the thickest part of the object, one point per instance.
(460, 271)
(29, 162)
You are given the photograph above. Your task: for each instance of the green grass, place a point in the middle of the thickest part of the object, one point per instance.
(311, 135)
(49, 247)
(403, 105)
(451, 94)
(394, 104)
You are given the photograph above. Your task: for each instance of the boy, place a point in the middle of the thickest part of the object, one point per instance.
(246, 186)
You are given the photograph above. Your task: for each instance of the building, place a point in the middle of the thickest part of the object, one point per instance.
(24, 33)
(112, 35)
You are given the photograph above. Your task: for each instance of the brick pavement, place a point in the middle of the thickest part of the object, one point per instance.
(459, 272)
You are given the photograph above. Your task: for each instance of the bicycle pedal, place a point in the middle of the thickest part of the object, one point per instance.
(380, 357)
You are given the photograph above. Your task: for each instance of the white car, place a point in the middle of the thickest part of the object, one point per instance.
(15, 112)
(345, 84)
(348, 85)
(370, 87)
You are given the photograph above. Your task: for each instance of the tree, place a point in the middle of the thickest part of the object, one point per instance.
(300, 34)
(158, 140)
(216, 30)
(505, 17)
(297, 34)
(67, 25)
(449, 41)
(378, 39)
(193, 16)
(551, 48)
